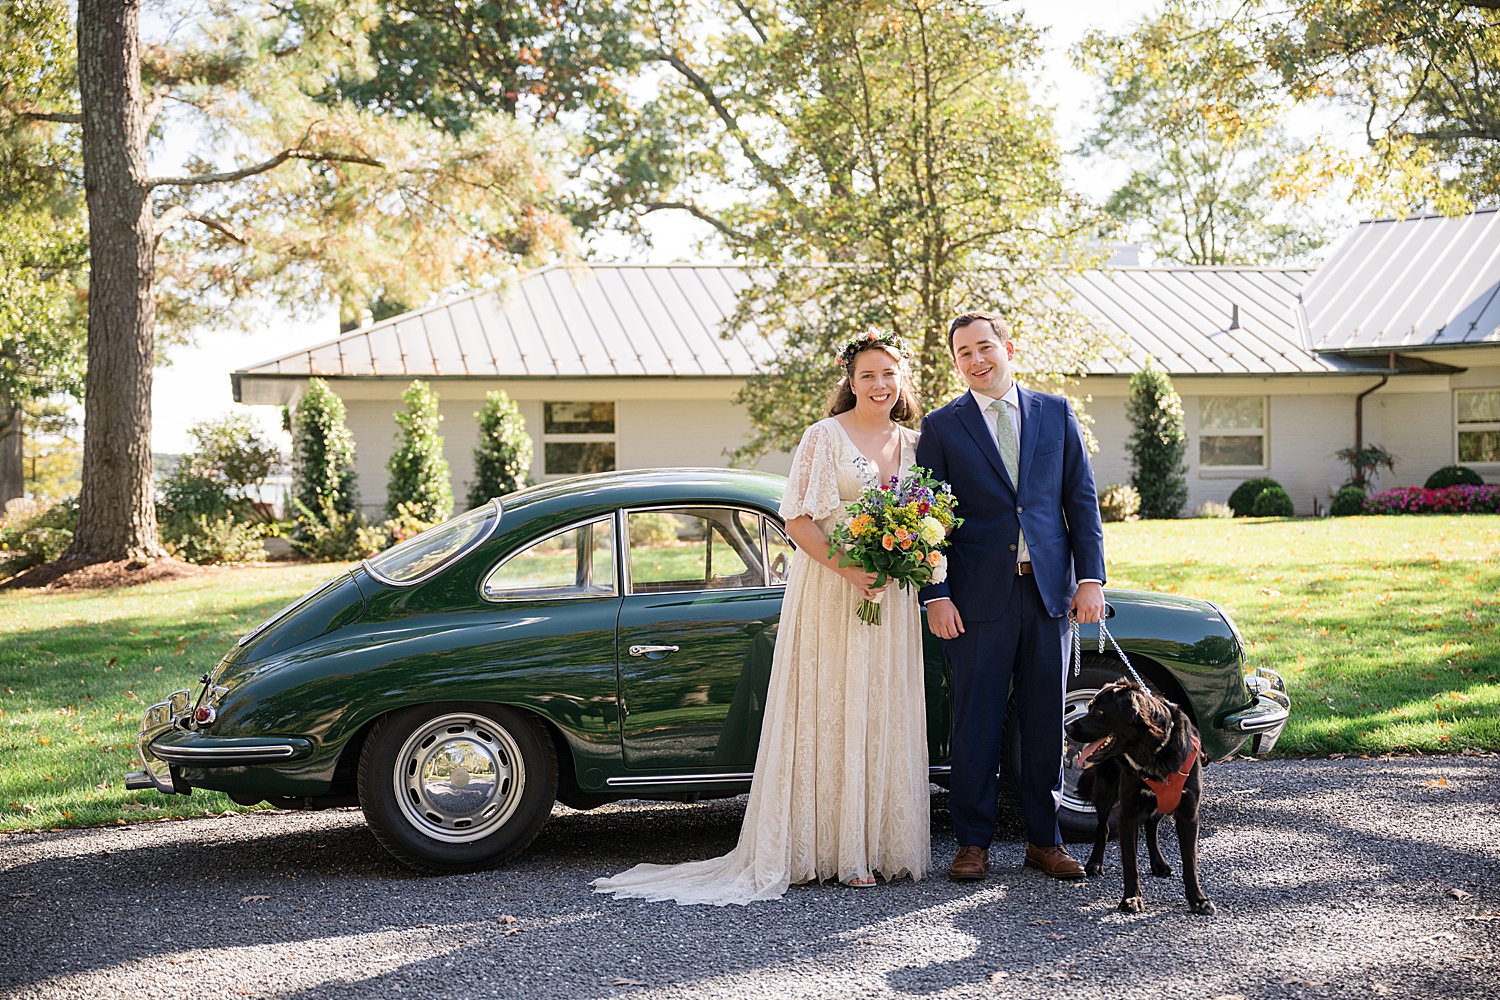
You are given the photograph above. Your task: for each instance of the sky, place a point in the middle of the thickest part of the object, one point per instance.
(195, 385)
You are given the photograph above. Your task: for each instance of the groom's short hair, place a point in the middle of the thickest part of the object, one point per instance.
(993, 319)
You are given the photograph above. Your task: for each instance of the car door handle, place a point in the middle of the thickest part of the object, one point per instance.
(650, 650)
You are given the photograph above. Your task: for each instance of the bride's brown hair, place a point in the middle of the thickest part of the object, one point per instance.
(841, 396)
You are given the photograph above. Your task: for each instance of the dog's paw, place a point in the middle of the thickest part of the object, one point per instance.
(1204, 907)
(1133, 904)
(1094, 869)
(1162, 870)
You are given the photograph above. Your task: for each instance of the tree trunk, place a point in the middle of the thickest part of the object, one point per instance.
(116, 512)
(12, 463)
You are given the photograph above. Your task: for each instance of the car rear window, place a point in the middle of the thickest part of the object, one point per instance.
(425, 554)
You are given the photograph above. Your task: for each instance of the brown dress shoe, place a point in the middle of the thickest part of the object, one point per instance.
(971, 864)
(1055, 861)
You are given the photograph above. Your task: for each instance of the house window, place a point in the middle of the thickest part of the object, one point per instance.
(578, 438)
(1479, 426)
(1232, 431)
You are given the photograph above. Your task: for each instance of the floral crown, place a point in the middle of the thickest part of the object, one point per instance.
(870, 339)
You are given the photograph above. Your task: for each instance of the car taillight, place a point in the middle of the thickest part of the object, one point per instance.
(204, 715)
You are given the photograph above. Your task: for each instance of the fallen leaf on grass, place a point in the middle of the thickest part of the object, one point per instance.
(622, 981)
(253, 899)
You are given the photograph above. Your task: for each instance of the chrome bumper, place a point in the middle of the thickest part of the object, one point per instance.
(158, 719)
(1268, 712)
(172, 718)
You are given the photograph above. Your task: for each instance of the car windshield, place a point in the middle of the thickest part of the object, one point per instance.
(432, 549)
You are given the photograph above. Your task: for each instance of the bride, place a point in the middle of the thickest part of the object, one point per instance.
(840, 787)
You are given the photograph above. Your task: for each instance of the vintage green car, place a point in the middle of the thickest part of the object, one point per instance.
(583, 641)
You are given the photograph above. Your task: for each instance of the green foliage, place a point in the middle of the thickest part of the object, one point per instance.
(217, 479)
(418, 470)
(1348, 502)
(1189, 107)
(502, 458)
(322, 453)
(1365, 464)
(1273, 501)
(212, 543)
(333, 535)
(1158, 443)
(1453, 475)
(1119, 502)
(1242, 500)
(40, 538)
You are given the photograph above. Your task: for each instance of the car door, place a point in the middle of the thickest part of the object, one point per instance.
(696, 633)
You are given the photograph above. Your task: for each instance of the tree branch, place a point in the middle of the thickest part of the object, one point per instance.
(153, 107)
(696, 212)
(178, 213)
(260, 168)
(1457, 133)
(1481, 4)
(66, 117)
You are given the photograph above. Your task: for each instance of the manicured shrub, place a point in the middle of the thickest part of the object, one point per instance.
(322, 454)
(331, 535)
(218, 478)
(1242, 500)
(1211, 509)
(419, 472)
(502, 458)
(1273, 501)
(1158, 444)
(39, 538)
(1453, 475)
(211, 543)
(1452, 500)
(1348, 502)
(1118, 502)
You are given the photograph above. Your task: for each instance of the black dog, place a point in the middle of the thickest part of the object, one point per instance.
(1143, 752)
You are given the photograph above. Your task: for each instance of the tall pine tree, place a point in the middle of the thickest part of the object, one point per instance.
(502, 458)
(323, 452)
(419, 472)
(1158, 444)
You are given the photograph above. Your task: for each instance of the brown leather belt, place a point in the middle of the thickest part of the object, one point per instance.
(1023, 569)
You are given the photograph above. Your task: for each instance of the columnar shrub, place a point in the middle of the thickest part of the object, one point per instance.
(1347, 502)
(502, 458)
(1419, 500)
(1158, 444)
(322, 453)
(1242, 500)
(418, 470)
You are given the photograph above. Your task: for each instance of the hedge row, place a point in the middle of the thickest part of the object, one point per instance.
(1420, 500)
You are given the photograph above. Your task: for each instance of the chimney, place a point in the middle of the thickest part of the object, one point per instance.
(1234, 316)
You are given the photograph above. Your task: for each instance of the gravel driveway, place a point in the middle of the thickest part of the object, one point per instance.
(1347, 878)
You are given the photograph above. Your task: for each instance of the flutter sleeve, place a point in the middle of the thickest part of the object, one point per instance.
(812, 487)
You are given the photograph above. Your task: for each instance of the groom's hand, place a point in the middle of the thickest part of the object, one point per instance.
(1088, 603)
(943, 619)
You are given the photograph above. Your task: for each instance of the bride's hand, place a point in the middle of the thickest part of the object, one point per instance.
(864, 581)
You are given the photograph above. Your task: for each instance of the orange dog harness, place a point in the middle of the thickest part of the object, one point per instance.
(1169, 792)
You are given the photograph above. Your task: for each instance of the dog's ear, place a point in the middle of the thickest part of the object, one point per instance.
(1152, 712)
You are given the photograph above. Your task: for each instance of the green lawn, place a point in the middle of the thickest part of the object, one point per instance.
(77, 669)
(1384, 628)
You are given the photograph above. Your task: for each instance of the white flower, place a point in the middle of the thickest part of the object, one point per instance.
(930, 529)
(940, 573)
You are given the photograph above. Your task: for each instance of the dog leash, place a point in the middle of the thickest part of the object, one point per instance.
(1104, 634)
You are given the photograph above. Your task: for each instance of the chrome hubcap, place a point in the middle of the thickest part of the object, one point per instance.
(1075, 706)
(459, 778)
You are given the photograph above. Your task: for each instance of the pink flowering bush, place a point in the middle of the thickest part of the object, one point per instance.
(1451, 500)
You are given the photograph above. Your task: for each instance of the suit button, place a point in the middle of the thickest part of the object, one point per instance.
(1019, 509)
(1013, 548)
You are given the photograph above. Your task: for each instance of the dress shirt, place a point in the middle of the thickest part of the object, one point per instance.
(1012, 399)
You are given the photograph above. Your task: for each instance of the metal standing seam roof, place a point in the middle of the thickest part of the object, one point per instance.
(1399, 284)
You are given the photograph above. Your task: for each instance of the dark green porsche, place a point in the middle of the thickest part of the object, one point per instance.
(583, 641)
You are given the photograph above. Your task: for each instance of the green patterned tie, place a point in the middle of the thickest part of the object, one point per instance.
(1005, 434)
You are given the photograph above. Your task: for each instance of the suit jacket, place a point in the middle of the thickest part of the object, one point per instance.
(1054, 503)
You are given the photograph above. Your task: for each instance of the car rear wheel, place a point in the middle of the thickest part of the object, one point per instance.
(456, 787)
(1075, 814)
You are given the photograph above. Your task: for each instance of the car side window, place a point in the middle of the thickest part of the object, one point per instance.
(699, 548)
(779, 549)
(575, 562)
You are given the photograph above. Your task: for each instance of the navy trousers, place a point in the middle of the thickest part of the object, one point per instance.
(1022, 649)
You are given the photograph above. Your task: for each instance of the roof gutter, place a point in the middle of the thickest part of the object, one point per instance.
(1359, 404)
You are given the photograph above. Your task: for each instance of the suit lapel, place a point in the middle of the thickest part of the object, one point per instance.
(969, 415)
(1031, 411)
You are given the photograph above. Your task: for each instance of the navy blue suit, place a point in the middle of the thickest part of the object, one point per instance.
(1015, 627)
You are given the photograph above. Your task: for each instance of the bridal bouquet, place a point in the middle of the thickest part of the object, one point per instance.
(897, 531)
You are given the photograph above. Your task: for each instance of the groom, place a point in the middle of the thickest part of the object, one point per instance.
(1031, 548)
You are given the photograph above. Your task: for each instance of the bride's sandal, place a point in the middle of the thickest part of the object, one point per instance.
(859, 883)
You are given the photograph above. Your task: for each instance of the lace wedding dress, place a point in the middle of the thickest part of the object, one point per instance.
(841, 786)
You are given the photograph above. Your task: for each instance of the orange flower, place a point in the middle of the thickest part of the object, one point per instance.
(905, 544)
(888, 542)
(933, 558)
